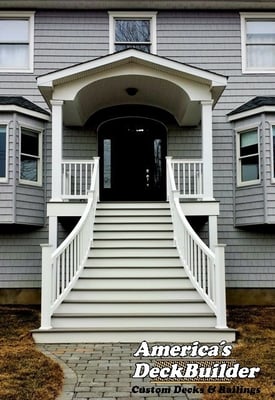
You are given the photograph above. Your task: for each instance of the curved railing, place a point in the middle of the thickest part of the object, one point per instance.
(61, 269)
(204, 267)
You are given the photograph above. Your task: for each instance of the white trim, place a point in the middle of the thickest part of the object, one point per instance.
(4, 179)
(22, 15)
(244, 18)
(54, 78)
(245, 129)
(23, 110)
(272, 158)
(152, 16)
(250, 113)
(40, 155)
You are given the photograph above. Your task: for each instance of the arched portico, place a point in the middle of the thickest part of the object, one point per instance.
(78, 92)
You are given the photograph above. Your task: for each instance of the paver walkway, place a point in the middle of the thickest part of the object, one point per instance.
(104, 371)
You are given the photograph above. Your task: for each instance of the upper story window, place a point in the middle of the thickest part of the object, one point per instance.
(133, 30)
(16, 42)
(258, 42)
(3, 153)
(248, 157)
(30, 157)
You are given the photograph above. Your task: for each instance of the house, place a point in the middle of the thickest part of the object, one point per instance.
(136, 141)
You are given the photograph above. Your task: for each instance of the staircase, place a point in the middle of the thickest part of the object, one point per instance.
(133, 286)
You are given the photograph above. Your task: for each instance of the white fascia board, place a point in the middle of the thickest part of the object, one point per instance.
(22, 110)
(140, 4)
(129, 56)
(250, 113)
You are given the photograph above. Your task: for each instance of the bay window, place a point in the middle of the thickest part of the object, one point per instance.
(248, 157)
(30, 157)
(3, 152)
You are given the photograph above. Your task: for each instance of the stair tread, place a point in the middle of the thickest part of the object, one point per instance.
(139, 329)
(134, 301)
(133, 315)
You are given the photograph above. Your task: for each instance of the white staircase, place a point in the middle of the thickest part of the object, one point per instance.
(133, 286)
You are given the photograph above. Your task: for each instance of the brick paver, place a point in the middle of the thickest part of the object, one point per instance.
(104, 371)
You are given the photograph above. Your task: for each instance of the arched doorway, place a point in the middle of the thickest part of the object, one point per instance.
(132, 154)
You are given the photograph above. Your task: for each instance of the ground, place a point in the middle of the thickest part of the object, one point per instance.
(26, 374)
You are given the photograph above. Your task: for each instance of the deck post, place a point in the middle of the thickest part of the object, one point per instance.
(57, 132)
(220, 287)
(207, 151)
(46, 289)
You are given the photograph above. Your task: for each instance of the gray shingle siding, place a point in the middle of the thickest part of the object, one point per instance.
(209, 40)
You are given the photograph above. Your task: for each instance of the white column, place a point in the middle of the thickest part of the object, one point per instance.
(213, 231)
(53, 231)
(207, 151)
(220, 287)
(57, 131)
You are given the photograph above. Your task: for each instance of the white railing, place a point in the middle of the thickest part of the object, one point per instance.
(204, 267)
(188, 177)
(76, 178)
(61, 268)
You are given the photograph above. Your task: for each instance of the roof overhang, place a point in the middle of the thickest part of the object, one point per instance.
(140, 4)
(257, 105)
(91, 86)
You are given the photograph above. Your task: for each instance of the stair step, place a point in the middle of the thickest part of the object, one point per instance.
(164, 334)
(136, 320)
(132, 252)
(137, 226)
(133, 235)
(129, 219)
(134, 262)
(193, 306)
(132, 294)
(132, 243)
(112, 212)
(132, 272)
(133, 205)
(137, 283)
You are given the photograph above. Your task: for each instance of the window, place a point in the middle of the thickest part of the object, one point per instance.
(3, 153)
(248, 157)
(258, 42)
(137, 31)
(273, 152)
(30, 157)
(16, 42)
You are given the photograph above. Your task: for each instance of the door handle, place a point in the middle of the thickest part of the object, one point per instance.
(147, 176)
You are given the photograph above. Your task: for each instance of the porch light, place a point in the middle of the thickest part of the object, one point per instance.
(131, 91)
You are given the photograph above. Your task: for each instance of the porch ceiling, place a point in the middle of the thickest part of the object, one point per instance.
(92, 86)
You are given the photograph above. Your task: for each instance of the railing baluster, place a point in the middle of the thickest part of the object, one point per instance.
(198, 260)
(76, 179)
(188, 177)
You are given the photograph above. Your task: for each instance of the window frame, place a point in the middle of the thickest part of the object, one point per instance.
(151, 16)
(272, 144)
(39, 158)
(4, 179)
(239, 159)
(22, 16)
(257, 17)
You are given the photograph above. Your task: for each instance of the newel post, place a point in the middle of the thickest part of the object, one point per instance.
(46, 286)
(220, 286)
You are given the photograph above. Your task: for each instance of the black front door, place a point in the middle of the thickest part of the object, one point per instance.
(132, 159)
